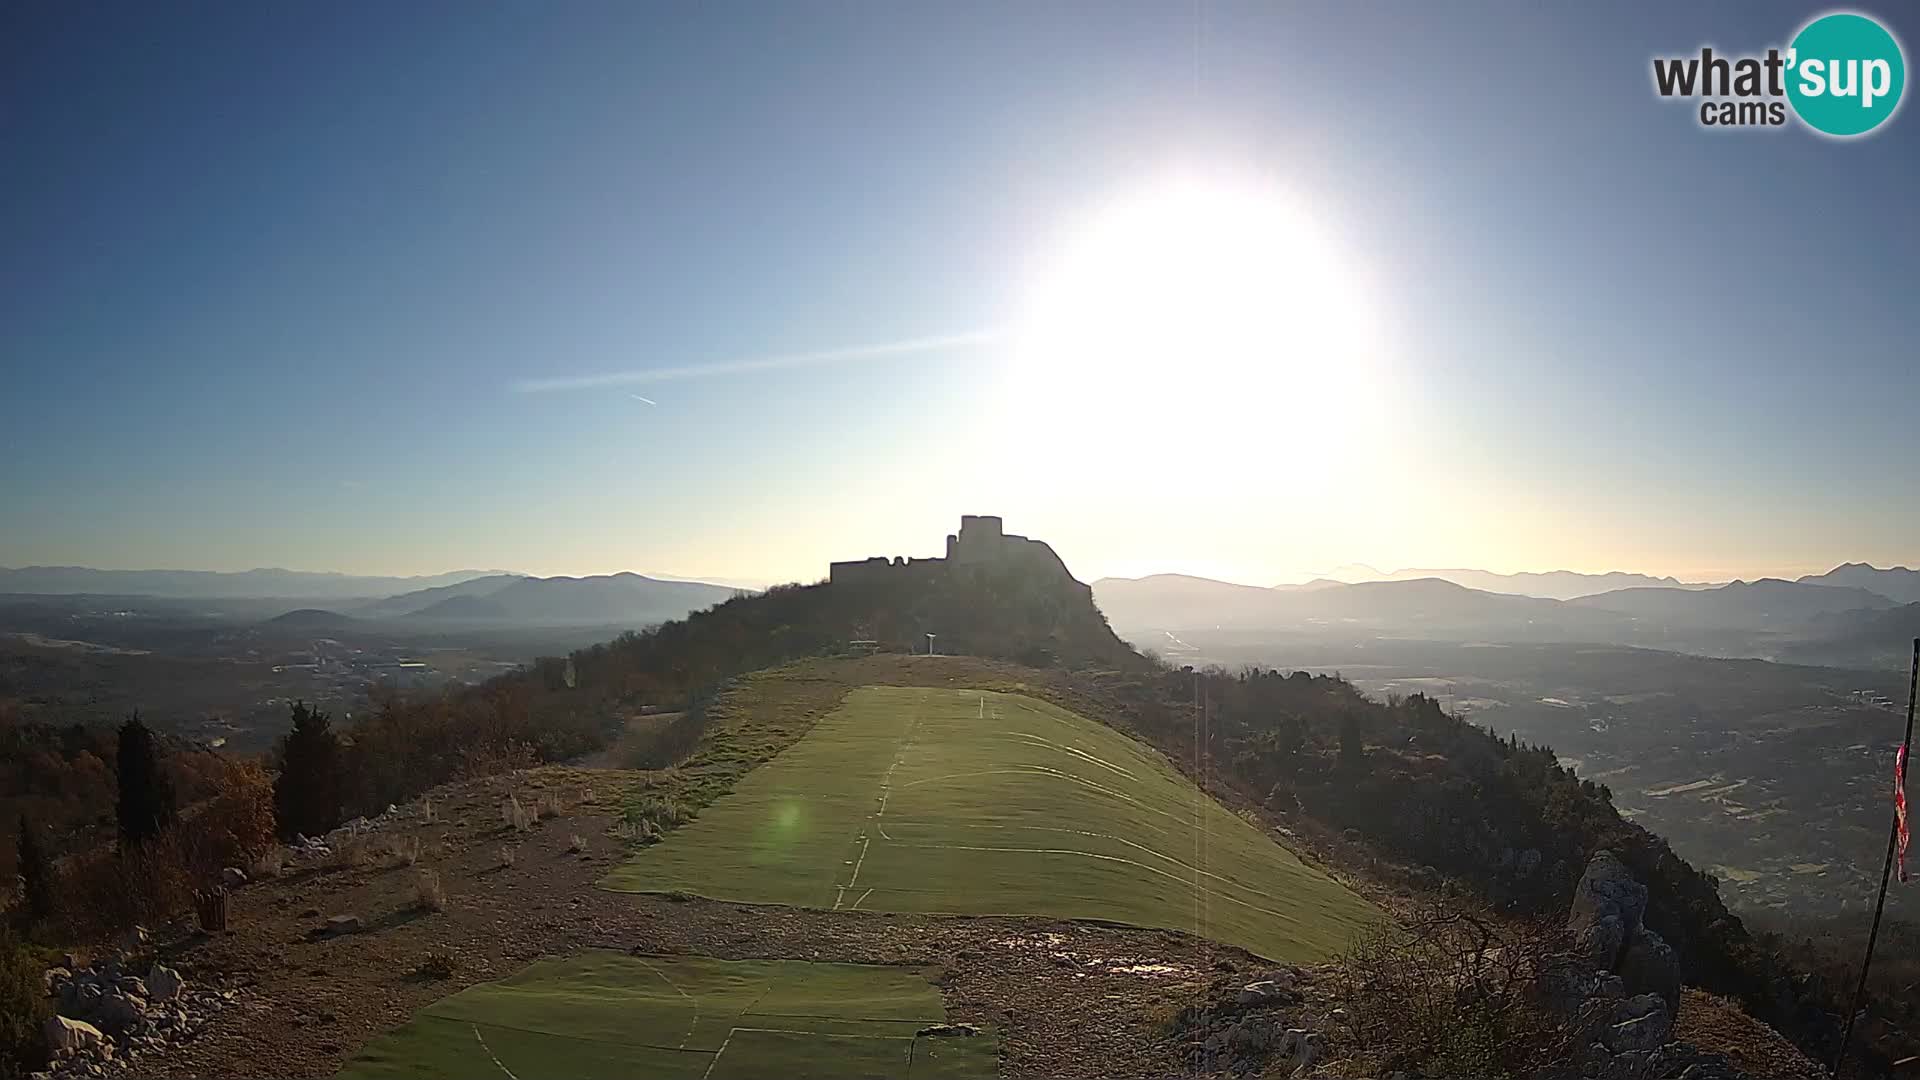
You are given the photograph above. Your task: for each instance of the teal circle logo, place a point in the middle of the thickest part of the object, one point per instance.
(1845, 74)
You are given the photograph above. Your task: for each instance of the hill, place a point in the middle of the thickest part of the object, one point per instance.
(408, 603)
(208, 584)
(1898, 583)
(1767, 604)
(605, 600)
(310, 620)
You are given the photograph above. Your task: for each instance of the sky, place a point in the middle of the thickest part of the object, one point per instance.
(733, 290)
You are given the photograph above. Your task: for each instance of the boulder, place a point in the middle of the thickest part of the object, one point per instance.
(341, 924)
(132, 985)
(233, 877)
(1258, 993)
(134, 940)
(117, 1012)
(1608, 908)
(66, 1035)
(1648, 965)
(164, 982)
(1639, 1024)
(54, 978)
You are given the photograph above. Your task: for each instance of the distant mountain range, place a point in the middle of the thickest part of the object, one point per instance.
(344, 600)
(1898, 583)
(563, 601)
(209, 584)
(514, 600)
(1765, 604)
(1551, 585)
(1769, 610)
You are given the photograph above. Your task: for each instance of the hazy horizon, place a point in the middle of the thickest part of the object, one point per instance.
(735, 293)
(753, 581)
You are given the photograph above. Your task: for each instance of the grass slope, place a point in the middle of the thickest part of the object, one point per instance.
(981, 803)
(613, 1015)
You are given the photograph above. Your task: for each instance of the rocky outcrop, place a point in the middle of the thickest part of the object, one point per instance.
(107, 1014)
(1607, 921)
(1624, 984)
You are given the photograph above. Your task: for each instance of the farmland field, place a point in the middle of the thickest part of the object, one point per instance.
(980, 803)
(612, 1015)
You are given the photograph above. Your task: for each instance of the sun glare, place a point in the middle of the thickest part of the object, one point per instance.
(1206, 312)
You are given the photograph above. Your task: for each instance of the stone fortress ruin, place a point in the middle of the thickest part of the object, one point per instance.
(982, 542)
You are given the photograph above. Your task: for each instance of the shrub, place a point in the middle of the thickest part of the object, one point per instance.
(576, 843)
(1451, 994)
(507, 853)
(428, 893)
(236, 826)
(351, 852)
(515, 816)
(406, 850)
(439, 964)
(549, 807)
(23, 1008)
(662, 813)
(426, 811)
(271, 863)
(104, 892)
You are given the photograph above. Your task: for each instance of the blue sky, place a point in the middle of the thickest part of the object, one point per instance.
(272, 278)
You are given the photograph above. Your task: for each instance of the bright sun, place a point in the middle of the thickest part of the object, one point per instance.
(1214, 314)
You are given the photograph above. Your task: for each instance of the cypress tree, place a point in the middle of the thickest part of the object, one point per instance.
(36, 873)
(307, 793)
(147, 805)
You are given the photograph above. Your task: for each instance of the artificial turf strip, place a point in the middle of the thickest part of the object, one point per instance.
(609, 1016)
(980, 803)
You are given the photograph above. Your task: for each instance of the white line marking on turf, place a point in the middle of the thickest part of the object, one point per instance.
(886, 789)
(477, 1037)
(862, 900)
(717, 1053)
(676, 989)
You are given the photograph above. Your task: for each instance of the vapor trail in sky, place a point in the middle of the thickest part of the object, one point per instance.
(907, 347)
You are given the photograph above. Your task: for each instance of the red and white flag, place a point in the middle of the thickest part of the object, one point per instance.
(1900, 807)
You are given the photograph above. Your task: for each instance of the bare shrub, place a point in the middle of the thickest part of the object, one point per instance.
(428, 893)
(270, 864)
(406, 850)
(657, 815)
(576, 844)
(514, 815)
(1454, 994)
(426, 811)
(507, 853)
(439, 964)
(104, 892)
(351, 852)
(549, 806)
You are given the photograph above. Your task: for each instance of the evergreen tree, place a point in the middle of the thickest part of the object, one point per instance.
(147, 805)
(36, 873)
(307, 793)
(1352, 749)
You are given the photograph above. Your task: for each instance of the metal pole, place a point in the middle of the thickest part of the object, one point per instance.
(1886, 872)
